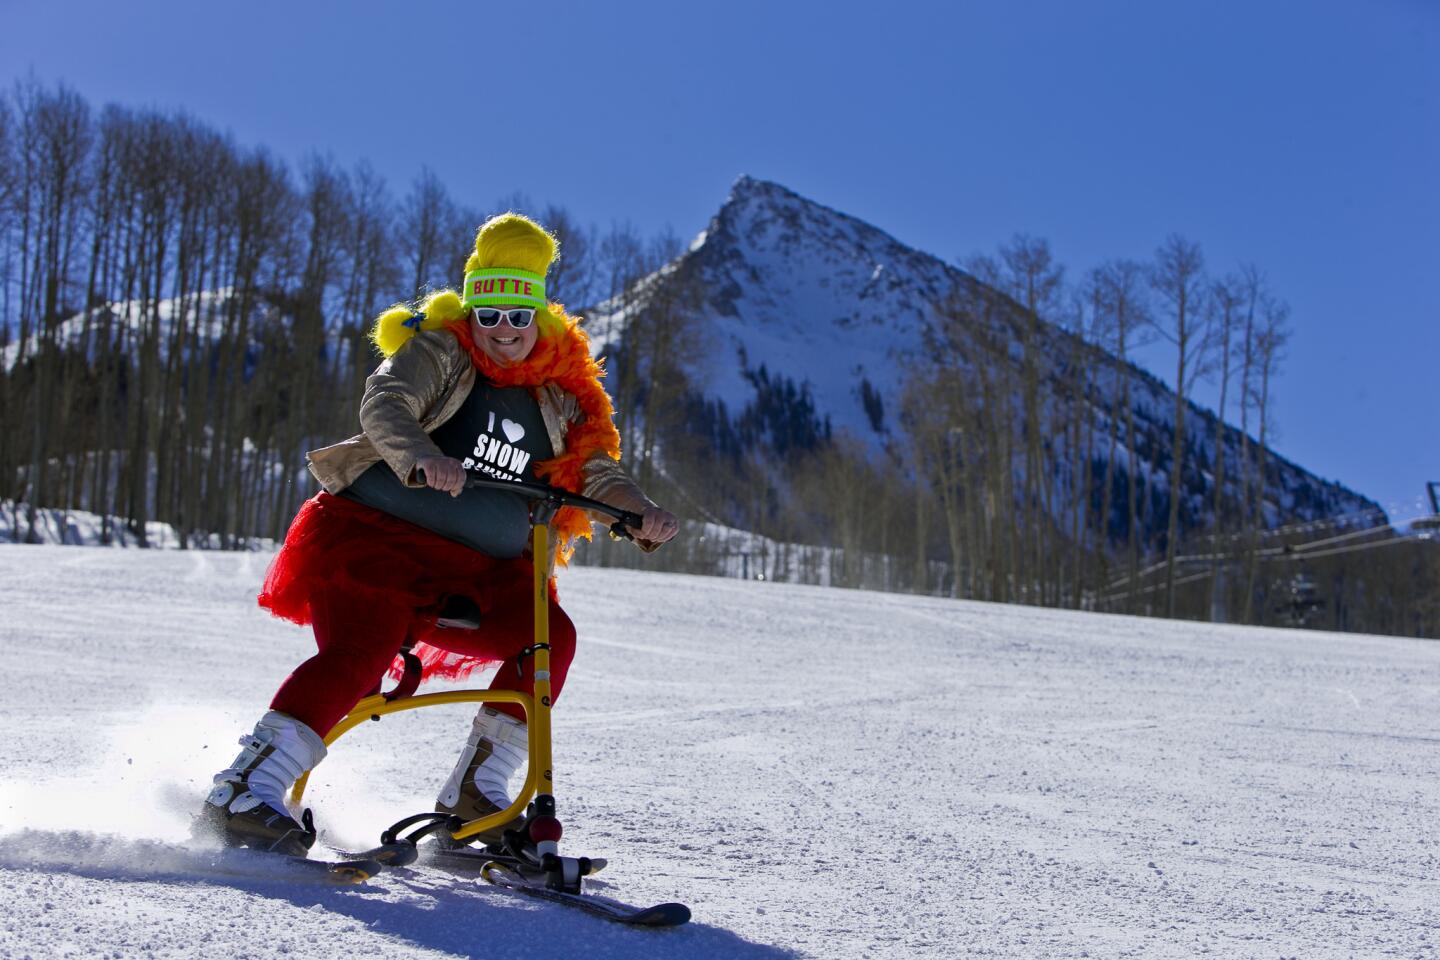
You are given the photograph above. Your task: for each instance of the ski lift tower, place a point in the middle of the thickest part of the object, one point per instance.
(1300, 599)
(1431, 524)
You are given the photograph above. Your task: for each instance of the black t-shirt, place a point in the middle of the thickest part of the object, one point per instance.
(497, 433)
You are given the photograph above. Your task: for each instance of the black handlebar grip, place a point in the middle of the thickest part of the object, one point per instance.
(624, 519)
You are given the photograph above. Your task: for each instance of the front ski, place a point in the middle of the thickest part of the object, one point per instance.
(236, 859)
(340, 872)
(266, 866)
(386, 855)
(507, 877)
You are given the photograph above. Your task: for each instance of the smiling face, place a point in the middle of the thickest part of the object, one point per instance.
(503, 343)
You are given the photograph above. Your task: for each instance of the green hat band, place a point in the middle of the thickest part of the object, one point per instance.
(496, 285)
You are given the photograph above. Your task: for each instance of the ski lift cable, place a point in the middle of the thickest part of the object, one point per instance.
(1303, 551)
(1139, 575)
(1336, 539)
(1375, 516)
(1273, 553)
(1151, 589)
(1295, 553)
(1307, 547)
(1268, 556)
(1188, 559)
(1351, 549)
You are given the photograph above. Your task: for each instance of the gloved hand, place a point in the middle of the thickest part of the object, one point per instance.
(445, 474)
(660, 525)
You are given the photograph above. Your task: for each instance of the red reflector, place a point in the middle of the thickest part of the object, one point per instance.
(545, 828)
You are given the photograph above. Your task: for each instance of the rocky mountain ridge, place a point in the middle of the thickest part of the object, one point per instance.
(785, 290)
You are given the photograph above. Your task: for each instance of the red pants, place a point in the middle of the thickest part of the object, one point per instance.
(360, 635)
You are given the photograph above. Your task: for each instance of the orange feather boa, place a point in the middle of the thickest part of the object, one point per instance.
(565, 361)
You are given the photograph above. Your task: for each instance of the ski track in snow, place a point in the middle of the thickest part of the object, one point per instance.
(818, 773)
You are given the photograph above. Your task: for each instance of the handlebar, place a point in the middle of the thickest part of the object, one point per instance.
(546, 500)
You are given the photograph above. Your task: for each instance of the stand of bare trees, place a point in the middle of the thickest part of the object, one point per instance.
(181, 317)
(1165, 517)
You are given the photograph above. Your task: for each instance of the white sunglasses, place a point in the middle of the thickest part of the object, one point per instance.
(518, 318)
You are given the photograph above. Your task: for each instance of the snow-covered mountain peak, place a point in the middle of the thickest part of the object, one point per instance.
(816, 294)
(786, 291)
(783, 251)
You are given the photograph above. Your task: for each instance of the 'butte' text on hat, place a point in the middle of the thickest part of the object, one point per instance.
(519, 287)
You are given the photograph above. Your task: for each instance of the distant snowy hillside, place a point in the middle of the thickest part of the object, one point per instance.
(837, 307)
(817, 772)
(131, 321)
(81, 528)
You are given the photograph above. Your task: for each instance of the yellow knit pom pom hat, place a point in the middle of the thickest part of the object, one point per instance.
(512, 255)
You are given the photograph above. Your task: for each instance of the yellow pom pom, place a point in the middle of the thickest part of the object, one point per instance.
(513, 240)
(393, 329)
(441, 308)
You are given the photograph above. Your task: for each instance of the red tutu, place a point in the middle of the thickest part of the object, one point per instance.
(336, 542)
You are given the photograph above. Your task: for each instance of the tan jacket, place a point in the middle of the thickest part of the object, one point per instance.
(423, 385)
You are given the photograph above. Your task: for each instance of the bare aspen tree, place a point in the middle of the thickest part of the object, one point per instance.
(839, 483)
(944, 410)
(572, 277)
(113, 200)
(1030, 276)
(659, 336)
(1120, 289)
(60, 128)
(1271, 334)
(995, 329)
(1178, 277)
(937, 416)
(427, 218)
(209, 165)
(8, 265)
(1252, 292)
(264, 210)
(371, 279)
(7, 217)
(624, 261)
(620, 262)
(1103, 334)
(921, 576)
(1226, 300)
(1080, 400)
(966, 422)
(27, 95)
(326, 202)
(460, 241)
(190, 176)
(102, 213)
(150, 168)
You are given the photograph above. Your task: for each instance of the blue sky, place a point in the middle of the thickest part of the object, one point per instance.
(1301, 136)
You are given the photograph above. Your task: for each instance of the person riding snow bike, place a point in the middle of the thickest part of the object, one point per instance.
(495, 382)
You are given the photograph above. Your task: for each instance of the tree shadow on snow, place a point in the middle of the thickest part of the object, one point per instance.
(428, 908)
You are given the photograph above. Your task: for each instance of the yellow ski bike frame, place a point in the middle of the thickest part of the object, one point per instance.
(561, 873)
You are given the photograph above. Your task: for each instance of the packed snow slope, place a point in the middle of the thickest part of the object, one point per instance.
(817, 772)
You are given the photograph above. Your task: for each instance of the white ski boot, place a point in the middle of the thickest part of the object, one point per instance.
(247, 806)
(480, 785)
